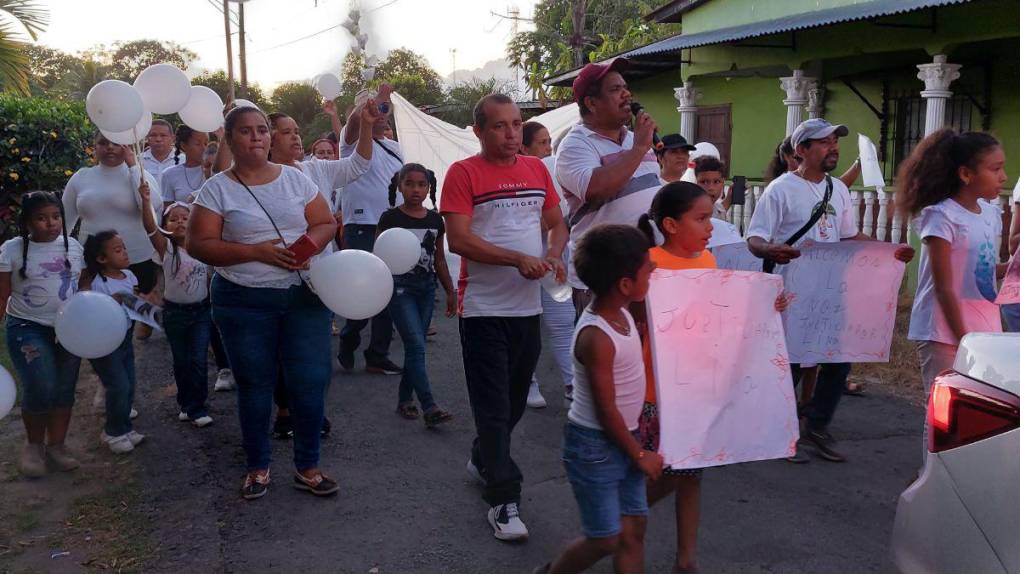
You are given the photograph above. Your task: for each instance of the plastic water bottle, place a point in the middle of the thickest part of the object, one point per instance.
(560, 292)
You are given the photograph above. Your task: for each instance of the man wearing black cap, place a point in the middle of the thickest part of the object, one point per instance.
(674, 157)
(608, 173)
(785, 208)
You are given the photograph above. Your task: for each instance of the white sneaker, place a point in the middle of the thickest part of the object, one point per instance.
(135, 437)
(473, 472)
(183, 417)
(133, 414)
(201, 422)
(535, 398)
(225, 381)
(119, 444)
(99, 400)
(506, 522)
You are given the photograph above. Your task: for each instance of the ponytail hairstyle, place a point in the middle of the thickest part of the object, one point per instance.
(777, 165)
(182, 134)
(93, 248)
(672, 200)
(175, 262)
(30, 203)
(430, 177)
(931, 173)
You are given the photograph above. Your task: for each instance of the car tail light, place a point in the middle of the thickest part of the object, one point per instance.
(962, 411)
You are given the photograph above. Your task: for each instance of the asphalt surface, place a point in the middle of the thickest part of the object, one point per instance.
(406, 504)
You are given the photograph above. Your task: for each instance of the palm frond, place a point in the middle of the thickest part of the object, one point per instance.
(14, 62)
(29, 13)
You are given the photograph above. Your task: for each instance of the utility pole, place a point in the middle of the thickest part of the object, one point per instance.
(230, 50)
(241, 49)
(578, 14)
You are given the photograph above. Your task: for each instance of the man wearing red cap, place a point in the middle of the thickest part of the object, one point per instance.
(608, 173)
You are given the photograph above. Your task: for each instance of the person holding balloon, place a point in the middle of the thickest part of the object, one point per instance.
(258, 224)
(415, 291)
(39, 270)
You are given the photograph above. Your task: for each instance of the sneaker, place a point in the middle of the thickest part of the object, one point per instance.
(384, 367)
(255, 485)
(345, 356)
(823, 444)
(133, 414)
(799, 456)
(319, 485)
(283, 428)
(99, 399)
(535, 398)
(183, 417)
(224, 381)
(33, 460)
(119, 444)
(435, 417)
(568, 396)
(60, 458)
(202, 421)
(506, 522)
(473, 471)
(327, 427)
(136, 438)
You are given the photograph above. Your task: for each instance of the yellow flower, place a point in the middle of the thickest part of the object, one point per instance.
(53, 135)
(68, 172)
(12, 141)
(13, 176)
(15, 151)
(26, 159)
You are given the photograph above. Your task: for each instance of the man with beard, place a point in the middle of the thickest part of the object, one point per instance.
(785, 208)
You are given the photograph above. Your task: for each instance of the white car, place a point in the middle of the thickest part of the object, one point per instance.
(962, 514)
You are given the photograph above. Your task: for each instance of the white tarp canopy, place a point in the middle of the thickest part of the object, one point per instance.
(436, 144)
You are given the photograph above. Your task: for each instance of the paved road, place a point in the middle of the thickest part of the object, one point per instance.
(407, 506)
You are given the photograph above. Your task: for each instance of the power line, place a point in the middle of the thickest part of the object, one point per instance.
(314, 34)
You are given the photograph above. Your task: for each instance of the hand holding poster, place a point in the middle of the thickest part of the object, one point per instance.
(723, 378)
(842, 302)
(1009, 293)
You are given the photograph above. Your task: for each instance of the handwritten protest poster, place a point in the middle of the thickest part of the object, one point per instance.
(1010, 291)
(736, 256)
(139, 309)
(721, 370)
(843, 302)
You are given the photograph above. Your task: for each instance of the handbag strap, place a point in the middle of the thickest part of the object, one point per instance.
(264, 210)
(389, 151)
(768, 265)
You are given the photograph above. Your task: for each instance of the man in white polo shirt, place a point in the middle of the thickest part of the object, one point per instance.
(608, 173)
(158, 154)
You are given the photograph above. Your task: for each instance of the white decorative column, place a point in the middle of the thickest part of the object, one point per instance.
(936, 77)
(815, 100)
(796, 88)
(687, 97)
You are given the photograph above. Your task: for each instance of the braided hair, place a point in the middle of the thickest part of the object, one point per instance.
(182, 134)
(430, 177)
(93, 248)
(30, 204)
(175, 261)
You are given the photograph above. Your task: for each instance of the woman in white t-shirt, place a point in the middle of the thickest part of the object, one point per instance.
(38, 271)
(243, 223)
(947, 185)
(182, 181)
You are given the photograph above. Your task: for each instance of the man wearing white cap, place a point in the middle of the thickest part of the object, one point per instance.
(808, 204)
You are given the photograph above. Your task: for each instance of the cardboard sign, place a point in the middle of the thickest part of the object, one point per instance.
(725, 394)
(842, 302)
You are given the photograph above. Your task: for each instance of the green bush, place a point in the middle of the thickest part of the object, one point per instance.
(42, 143)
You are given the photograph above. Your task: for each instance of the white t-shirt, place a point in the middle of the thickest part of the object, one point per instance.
(364, 200)
(580, 154)
(153, 166)
(107, 198)
(723, 233)
(787, 203)
(244, 221)
(329, 175)
(628, 375)
(187, 278)
(974, 251)
(111, 285)
(48, 281)
(181, 183)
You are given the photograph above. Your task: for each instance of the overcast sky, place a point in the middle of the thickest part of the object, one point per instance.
(278, 49)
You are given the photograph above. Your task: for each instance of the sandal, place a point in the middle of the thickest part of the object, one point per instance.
(854, 389)
(436, 416)
(408, 411)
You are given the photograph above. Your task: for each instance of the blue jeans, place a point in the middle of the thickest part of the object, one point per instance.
(411, 310)
(265, 331)
(188, 328)
(1012, 315)
(117, 373)
(606, 483)
(363, 237)
(48, 371)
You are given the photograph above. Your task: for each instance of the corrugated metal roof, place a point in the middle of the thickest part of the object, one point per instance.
(804, 21)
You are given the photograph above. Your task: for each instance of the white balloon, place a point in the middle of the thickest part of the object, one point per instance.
(399, 248)
(164, 88)
(705, 148)
(114, 105)
(91, 325)
(8, 392)
(204, 111)
(354, 284)
(328, 86)
(129, 137)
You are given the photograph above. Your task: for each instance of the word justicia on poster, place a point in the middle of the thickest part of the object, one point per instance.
(842, 302)
(721, 369)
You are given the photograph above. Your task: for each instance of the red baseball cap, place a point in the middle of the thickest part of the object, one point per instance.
(591, 73)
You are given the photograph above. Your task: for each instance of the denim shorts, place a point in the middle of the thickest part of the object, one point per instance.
(606, 483)
(47, 371)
